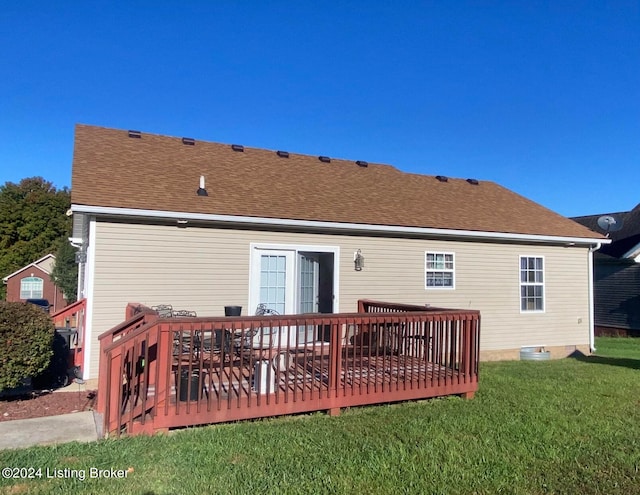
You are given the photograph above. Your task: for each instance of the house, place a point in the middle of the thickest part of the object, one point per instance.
(617, 272)
(202, 225)
(34, 282)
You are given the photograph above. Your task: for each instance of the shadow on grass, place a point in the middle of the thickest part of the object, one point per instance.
(633, 364)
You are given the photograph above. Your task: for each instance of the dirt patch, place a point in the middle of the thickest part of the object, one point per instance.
(45, 403)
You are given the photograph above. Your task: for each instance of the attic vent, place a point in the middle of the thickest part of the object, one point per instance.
(237, 147)
(324, 159)
(283, 154)
(442, 178)
(135, 134)
(360, 163)
(188, 141)
(473, 182)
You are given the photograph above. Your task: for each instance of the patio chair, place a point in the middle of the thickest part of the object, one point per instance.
(184, 313)
(181, 342)
(163, 310)
(256, 338)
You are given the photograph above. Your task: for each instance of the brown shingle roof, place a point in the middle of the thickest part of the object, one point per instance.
(156, 172)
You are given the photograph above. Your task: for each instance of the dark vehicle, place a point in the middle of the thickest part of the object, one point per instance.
(41, 303)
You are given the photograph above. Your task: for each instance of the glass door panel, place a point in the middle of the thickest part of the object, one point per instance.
(307, 293)
(273, 282)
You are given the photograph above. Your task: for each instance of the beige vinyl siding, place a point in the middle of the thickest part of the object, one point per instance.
(47, 264)
(204, 269)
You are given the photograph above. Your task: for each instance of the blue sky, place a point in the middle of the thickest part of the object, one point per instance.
(541, 97)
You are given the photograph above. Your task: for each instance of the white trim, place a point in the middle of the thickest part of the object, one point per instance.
(534, 284)
(634, 253)
(296, 249)
(254, 279)
(34, 264)
(174, 215)
(444, 270)
(89, 275)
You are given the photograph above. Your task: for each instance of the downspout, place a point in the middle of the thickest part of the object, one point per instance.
(592, 343)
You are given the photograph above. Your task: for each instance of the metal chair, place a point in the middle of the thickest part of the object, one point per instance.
(163, 310)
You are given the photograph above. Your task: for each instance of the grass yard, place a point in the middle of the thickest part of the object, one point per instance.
(570, 426)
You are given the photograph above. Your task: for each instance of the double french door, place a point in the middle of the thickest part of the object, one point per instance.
(293, 282)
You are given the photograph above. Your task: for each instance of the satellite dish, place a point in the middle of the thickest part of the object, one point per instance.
(609, 223)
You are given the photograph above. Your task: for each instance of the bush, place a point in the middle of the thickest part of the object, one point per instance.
(26, 337)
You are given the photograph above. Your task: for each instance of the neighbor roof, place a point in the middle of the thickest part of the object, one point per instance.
(35, 264)
(153, 172)
(623, 240)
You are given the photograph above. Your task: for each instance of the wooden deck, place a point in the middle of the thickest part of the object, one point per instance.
(366, 358)
(223, 383)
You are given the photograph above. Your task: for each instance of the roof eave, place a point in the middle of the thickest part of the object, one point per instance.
(341, 226)
(633, 253)
(34, 264)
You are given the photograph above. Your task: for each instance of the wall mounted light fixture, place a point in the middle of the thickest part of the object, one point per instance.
(358, 260)
(201, 190)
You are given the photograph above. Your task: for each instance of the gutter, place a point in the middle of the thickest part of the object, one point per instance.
(185, 217)
(592, 343)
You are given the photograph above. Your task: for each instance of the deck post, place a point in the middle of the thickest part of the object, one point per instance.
(103, 367)
(162, 363)
(335, 355)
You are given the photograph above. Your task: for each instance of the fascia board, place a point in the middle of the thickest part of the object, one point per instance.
(351, 227)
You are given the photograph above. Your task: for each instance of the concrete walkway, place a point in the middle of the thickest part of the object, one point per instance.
(22, 433)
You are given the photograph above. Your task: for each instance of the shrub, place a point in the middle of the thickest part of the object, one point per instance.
(26, 336)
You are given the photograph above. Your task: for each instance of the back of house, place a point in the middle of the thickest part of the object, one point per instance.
(200, 225)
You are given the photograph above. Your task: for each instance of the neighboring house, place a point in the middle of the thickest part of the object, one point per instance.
(200, 225)
(34, 282)
(617, 273)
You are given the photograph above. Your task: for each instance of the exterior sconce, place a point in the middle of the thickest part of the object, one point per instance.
(358, 260)
(201, 190)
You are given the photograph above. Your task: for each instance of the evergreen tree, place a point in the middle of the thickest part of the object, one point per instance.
(65, 271)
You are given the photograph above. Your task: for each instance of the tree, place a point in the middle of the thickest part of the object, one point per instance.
(32, 221)
(65, 271)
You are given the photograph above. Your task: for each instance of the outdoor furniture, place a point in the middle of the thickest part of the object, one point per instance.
(255, 338)
(163, 310)
(183, 343)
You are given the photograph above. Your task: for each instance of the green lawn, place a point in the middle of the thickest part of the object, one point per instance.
(568, 426)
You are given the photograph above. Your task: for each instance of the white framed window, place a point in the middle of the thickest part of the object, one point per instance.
(531, 284)
(439, 270)
(31, 288)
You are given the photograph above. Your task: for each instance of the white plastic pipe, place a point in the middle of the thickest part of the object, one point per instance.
(592, 331)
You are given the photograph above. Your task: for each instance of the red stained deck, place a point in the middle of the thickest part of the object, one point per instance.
(384, 353)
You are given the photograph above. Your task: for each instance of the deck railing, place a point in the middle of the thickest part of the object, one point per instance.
(370, 306)
(73, 316)
(161, 373)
